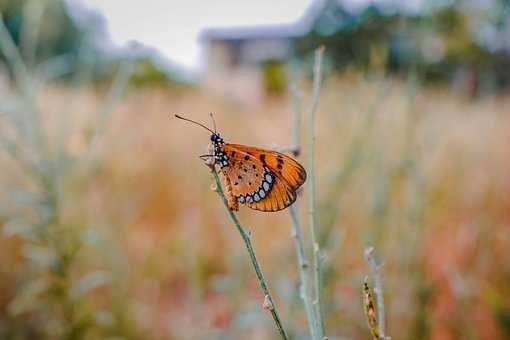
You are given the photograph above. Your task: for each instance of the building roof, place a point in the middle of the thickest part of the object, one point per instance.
(292, 30)
(254, 32)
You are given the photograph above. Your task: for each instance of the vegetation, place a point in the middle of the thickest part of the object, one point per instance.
(109, 228)
(423, 178)
(446, 41)
(275, 80)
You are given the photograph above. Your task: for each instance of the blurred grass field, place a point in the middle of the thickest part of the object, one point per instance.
(129, 241)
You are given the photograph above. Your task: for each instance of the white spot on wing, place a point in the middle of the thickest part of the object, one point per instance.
(262, 193)
(265, 185)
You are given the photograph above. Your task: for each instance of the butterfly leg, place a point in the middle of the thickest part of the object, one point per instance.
(208, 159)
(231, 199)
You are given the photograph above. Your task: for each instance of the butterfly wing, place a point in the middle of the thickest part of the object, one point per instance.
(280, 197)
(262, 179)
(281, 164)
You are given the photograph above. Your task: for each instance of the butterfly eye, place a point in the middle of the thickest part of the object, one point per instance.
(215, 138)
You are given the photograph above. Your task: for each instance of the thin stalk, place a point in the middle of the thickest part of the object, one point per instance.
(297, 235)
(296, 123)
(117, 88)
(268, 299)
(369, 309)
(14, 59)
(32, 123)
(311, 184)
(378, 290)
(304, 275)
(32, 18)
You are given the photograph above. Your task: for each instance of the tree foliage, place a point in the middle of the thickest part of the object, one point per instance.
(438, 42)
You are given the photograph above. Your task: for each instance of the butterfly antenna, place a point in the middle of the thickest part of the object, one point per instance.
(197, 123)
(213, 121)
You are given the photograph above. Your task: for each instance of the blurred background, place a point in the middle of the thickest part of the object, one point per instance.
(109, 228)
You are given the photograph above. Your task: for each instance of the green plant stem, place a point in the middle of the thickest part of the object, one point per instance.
(296, 123)
(117, 88)
(297, 235)
(268, 299)
(304, 274)
(311, 186)
(32, 123)
(378, 290)
(32, 17)
(13, 58)
(369, 309)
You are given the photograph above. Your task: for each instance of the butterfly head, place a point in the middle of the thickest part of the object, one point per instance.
(218, 154)
(216, 138)
(220, 157)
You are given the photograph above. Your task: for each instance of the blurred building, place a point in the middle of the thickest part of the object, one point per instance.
(248, 63)
(235, 58)
(438, 43)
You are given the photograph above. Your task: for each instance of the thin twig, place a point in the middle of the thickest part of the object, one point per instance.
(13, 58)
(268, 299)
(117, 88)
(304, 274)
(311, 184)
(296, 126)
(24, 83)
(378, 290)
(304, 265)
(30, 30)
(369, 309)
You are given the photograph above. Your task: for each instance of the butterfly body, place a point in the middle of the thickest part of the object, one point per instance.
(261, 179)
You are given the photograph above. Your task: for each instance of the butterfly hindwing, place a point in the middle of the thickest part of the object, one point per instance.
(280, 197)
(263, 180)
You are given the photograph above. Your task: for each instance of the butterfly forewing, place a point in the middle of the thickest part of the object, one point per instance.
(279, 163)
(262, 179)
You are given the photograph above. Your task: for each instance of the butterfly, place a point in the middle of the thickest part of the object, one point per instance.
(261, 179)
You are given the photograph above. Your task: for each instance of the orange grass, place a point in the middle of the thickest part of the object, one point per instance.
(424, 178)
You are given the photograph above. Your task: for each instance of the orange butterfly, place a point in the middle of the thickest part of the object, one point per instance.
(262, 179)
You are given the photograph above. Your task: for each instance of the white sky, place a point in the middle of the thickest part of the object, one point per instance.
(172, 27)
